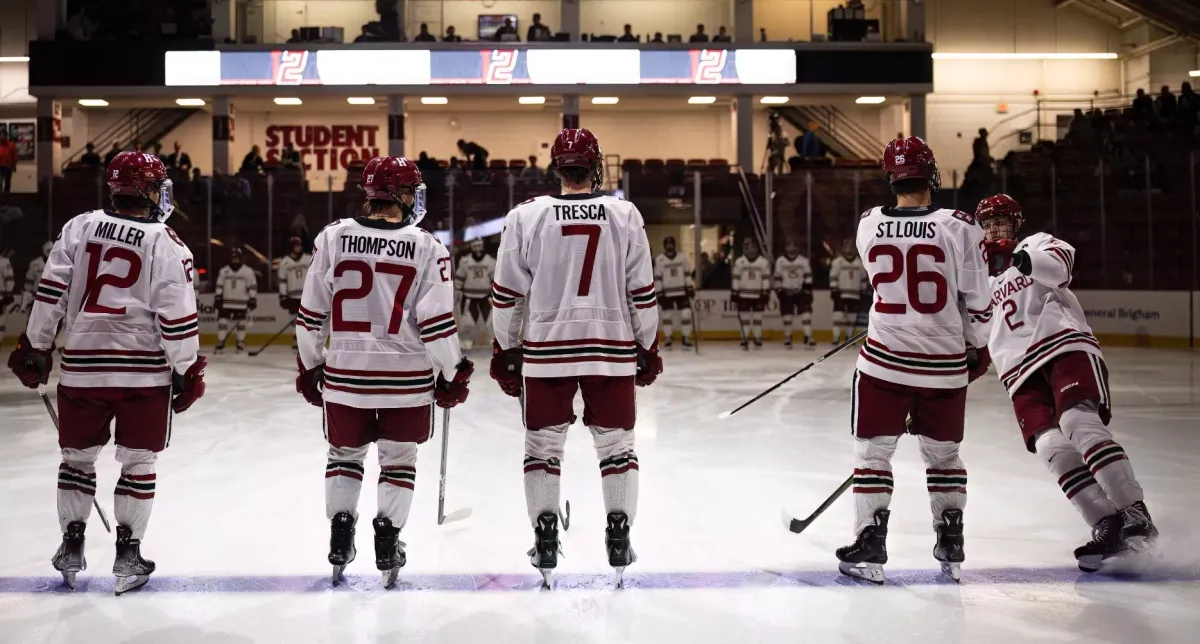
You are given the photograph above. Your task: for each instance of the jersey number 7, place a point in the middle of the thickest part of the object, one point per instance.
(592, 232)
(408, 275)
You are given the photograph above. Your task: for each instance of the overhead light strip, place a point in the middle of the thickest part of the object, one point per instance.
(1023, 56)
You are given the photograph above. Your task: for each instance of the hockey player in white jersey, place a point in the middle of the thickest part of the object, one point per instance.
(473, 294)
(293, 269)
(8, 297)
(847, 276)
(122, 279)
(381, 291)
(236, 297)
(751, 290)
(1053, 369)
(574, 273)
(674, 290)
(918, 357)
(33, 274)
(794, 287)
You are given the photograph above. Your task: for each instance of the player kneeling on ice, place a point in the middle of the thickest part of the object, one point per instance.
(381, 290)
(918, 357)
(123, 280)
(574, 271)
(1053, 369)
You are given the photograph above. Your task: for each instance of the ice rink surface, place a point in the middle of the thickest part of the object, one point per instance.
(240, 537)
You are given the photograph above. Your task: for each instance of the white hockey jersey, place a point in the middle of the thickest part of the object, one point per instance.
(1038, 317)
(672, 275)
(236, 287)
(473, 277)
(124, 285)
(292, 273)
(34, 273)
(751, 279)
(574, 272)
(922, 261)
(8, 280)
(847, 277)
(382, 293)
(793, 273)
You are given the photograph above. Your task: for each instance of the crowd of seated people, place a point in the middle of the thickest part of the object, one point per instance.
(112, 20)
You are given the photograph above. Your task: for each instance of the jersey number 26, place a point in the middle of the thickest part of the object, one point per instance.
(905, 265)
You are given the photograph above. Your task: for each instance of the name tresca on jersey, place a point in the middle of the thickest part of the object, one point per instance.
(361, 245)
(577, 212)
(113, 231)
(907, 229)
(1010, 288)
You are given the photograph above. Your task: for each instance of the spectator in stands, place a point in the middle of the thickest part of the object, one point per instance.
(196, 175)
(112, 154)
(475, 156)
(158, 152)
(90, 158)
(389, 20)
(1079, 129)
(8, 162)
(699, 36)
(538, 30)
(295, 37)
(289, 157)
(252, 163)
(425, 163)
(1189, 104)
(980, 150)
(532, 173)
(722, 36)
(80, 25)
(455, 169)
(179, 159)
(137, 146)
(1143, 107)
(628, 35)
(1165, 105)
(506, 32)
(706, 267)
(810, 143)
(424, 35)
(762, 35)
(451, 36)
(657, 37)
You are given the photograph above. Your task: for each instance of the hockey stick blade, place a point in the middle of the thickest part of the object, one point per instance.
(457, 515)
(726, 414)
(799, 525)
(54, 419)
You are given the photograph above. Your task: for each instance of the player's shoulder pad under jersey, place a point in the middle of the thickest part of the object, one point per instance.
(1037, 239)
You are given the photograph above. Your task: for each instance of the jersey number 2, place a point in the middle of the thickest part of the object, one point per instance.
(906, 266)
(96, 281)
(592, 232)
(407, 274)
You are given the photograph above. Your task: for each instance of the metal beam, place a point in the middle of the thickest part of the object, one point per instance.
(1099, 14)
(1059, 4)
(1154, 45)
(1131, 22)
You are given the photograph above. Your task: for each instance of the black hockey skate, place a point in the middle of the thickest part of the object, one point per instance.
(389, 551)
(667, 344)
(864, 559)
(241, 348)
(809, 343)
(687, 342)
(757, 344)
(949, 546)
(1106, 543)
(616, 539)
(787, 342)
(219, 349)
(1137, 531)
(341, 543)
(131, 569)
(544, 554)
(69, 559)
(745, 345)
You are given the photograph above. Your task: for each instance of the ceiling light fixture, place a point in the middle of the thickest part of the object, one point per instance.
(93, 102)
(288, 101)
(605, 100)
(14, 59)
(531, 100)
(1031, 56)
(773, 100)
(360, 100)
(702, 100)
(434, 100)
(870, 100)
(189, 102)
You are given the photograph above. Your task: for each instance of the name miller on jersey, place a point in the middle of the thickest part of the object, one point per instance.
(113, 231)
(360, 245)
(909, 229)
(580, 212)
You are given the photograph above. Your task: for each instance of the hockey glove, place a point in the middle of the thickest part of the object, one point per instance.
(690, 292)
(978, 361)
(5, 300)
(283, 301)
(999, 255)
(735, 301)
(311, 383)
(218, 303)
(252, 304)
(189, 387)
(506, 369)
(649, 365)
(32, 366)
(449, 393)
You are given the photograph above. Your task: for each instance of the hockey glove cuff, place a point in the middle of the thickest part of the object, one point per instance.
(31, 366)
(978, 362)
(506, 369)
(449, 393)
(187, 388)
(1022, 262)
(311, 383)
(649, 365)
(999, 255)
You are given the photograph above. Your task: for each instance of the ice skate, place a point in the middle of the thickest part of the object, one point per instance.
(745, 345)
(241, 348)
(1106, 543)
(341, 543)
(864, 559)
(219, 349)
(616, 539)
(69, 559)
(389, 551)
(667, 344)
(788, 343)
(949, 546)
(757, 344)
(687, 343)
(544, 554)
(1137, 531)
(131, 569)
(809, 343)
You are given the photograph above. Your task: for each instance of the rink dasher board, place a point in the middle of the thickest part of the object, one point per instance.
(1118, 318)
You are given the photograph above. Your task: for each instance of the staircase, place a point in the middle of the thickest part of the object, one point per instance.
(148, 125)
(842, 136)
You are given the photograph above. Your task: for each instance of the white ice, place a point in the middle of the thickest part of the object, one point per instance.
(240, 536)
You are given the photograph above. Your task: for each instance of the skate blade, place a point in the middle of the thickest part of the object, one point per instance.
(126, 584)
(866, 571)
(389, 577)
(953, 570)
(1091, 563)
(337, 574)
(547, 578)
(69, 579)
(619, 572)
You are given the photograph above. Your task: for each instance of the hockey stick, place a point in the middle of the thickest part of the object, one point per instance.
(273, 338)
(798, 525)
(856, 338)
(457, 515)
(54, 419)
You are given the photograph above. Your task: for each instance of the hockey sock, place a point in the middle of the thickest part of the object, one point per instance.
(222, 331)
(1075, 479)
(76, 485)
(666, 325)
(872, 478)
(839, 323)
(1104, 457)
(467, 331)
(787, 328)
(744, 320)
(806, 324)
(686, 314)
(397, 479)
(241, 333)
(945, 476)
(543, 471)
(134, 496)
(343, 479)
(618, 469)
(756, 322)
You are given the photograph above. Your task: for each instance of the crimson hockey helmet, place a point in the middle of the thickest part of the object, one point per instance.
(389, 178)
(137, 174)
(578, 148)
(1000, 206)
(911, 158)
